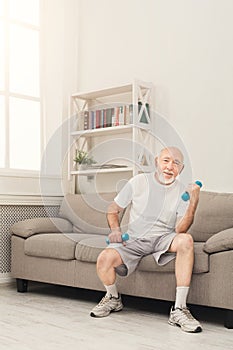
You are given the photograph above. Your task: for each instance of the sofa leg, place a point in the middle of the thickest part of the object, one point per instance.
(22, 285)
(229, 319)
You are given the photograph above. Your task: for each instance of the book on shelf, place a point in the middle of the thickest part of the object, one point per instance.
(131, 113)
(121, 115)
(98, 122)
(91, 119)
(109, 115)
(115, 119)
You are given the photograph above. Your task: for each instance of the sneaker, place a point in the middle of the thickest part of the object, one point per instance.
(184, 319)
(107, 305)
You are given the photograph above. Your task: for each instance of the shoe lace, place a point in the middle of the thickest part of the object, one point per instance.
(104, 300)
(186, 314)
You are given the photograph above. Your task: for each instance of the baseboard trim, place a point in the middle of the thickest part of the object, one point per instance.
(6, 278)
(21, 199)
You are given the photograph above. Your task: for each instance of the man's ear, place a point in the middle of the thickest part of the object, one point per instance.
(156, 161)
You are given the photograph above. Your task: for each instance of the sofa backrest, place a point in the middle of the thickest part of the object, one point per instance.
(87, 212)
(214, 214)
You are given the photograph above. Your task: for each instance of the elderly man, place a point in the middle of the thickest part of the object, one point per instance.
(158, 225)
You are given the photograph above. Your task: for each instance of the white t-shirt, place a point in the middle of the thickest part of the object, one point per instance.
(154, 207)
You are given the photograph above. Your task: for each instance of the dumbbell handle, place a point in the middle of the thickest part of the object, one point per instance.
(185, 196)
(124, 237)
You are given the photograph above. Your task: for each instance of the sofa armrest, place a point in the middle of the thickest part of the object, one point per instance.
(27, 228)
(220, 242)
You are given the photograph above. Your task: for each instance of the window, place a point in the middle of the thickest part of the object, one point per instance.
(20, 117)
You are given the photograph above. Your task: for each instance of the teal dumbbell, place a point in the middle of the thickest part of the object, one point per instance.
(185, 196)
(124, 237)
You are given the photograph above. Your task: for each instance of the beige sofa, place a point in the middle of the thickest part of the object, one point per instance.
(64, 251)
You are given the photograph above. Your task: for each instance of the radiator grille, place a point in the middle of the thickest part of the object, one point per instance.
(10, 214)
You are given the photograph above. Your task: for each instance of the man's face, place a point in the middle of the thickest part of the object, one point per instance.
(169, 165)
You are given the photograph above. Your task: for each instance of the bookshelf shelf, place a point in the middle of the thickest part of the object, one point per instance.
(112, 130)
(92, 95)
(101, 171)
(112, 125)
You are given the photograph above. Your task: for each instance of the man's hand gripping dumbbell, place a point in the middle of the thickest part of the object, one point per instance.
(116, 236)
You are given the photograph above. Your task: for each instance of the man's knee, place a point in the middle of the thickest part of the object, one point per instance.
(108, 258)
(184, 242)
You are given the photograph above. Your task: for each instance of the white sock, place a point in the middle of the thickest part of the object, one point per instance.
(112, 290)
(181, 297)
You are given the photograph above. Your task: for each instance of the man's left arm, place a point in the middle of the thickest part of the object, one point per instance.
(183, 223)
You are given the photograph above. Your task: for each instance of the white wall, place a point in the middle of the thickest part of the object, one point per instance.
(185, 48)
(59, 76)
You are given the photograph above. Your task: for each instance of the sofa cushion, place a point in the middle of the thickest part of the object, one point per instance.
(87, 212)
(29, 227)
(220, 242)
(89, 249)
(214, 214)
(201, 262)
(53, 245)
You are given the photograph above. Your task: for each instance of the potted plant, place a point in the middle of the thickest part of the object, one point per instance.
(82, 158)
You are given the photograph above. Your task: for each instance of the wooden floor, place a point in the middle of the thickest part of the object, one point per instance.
(54, 317)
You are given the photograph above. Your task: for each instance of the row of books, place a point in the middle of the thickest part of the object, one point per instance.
(103, 118)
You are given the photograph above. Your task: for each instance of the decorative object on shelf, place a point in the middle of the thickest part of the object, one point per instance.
(144, 112)
(83, 159)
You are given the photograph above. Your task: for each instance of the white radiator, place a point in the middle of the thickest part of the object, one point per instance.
(10, 214)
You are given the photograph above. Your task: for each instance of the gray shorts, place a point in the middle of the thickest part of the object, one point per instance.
(136, 249)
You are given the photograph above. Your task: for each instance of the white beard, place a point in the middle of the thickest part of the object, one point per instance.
(165, 181)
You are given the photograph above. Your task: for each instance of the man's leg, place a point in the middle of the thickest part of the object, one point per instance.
(106, 263)
(182, 245)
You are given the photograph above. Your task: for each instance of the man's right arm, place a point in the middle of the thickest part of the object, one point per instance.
(114, 224)
(124, 198)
